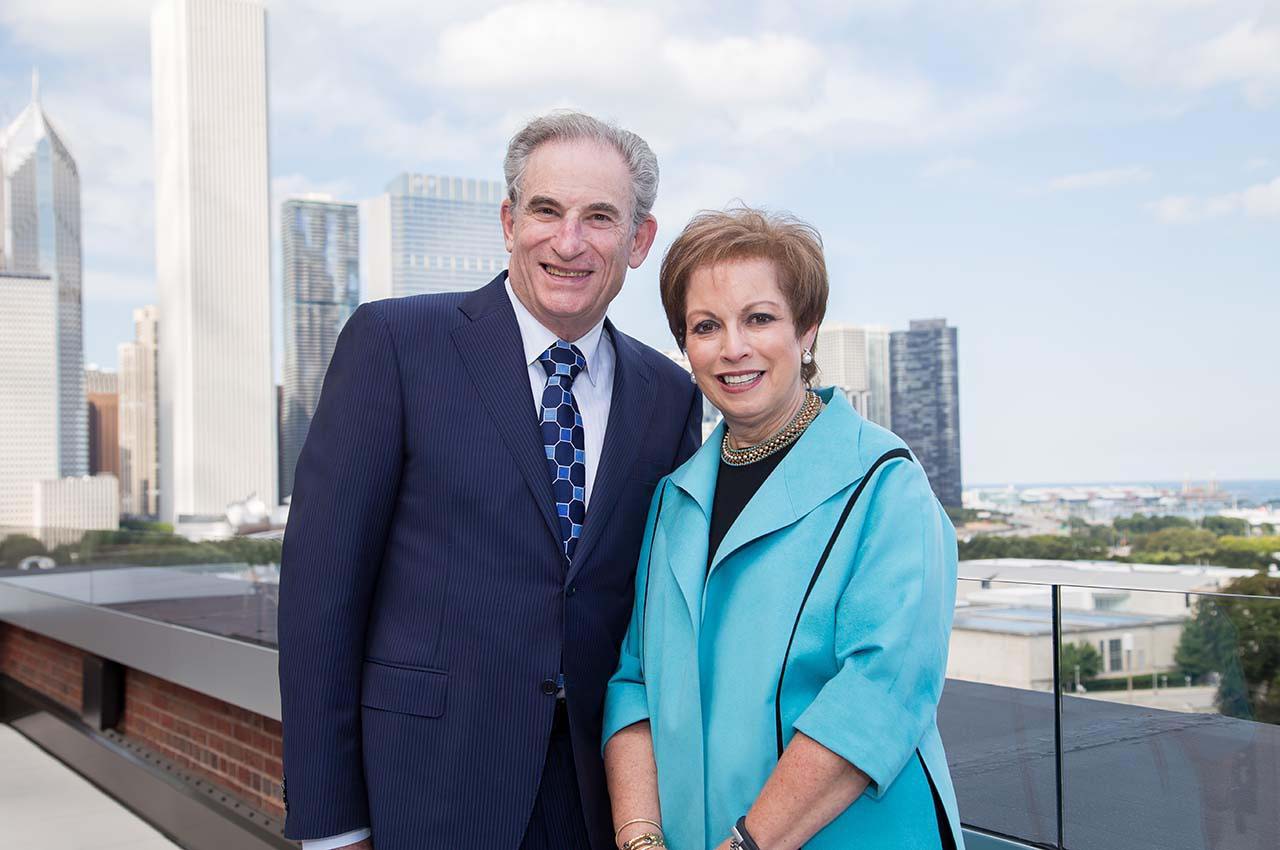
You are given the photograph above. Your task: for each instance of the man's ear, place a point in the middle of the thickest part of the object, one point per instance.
(642, 241)
(507, 215)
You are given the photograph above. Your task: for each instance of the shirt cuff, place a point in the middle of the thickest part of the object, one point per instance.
(334, 842)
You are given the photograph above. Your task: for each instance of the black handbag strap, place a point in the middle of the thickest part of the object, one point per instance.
(817, 571)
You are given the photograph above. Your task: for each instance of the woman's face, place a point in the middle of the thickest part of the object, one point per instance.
(744, 347)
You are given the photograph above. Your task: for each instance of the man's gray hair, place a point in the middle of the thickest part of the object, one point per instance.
(567, 126)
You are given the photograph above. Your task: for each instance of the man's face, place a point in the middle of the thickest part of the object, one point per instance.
(571, 238)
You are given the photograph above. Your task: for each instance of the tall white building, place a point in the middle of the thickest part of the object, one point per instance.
(430, 233)
(213, 256)
(139, 417)
(29, 393)
(40, 234)
(855, 358)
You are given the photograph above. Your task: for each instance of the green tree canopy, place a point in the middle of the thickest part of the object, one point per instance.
(1221, 525)
(1239, 640)
(1079, 656)
(15, 547)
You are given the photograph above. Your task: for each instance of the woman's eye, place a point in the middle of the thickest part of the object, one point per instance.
(704, 327)
(760, 318)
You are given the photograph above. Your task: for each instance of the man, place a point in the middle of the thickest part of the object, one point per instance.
(466, 520)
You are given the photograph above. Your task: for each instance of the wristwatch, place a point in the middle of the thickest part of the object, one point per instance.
(739, 838)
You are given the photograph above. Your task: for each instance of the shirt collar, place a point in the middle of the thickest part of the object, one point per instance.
(537, 339)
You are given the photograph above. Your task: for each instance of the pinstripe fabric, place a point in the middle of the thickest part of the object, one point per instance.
(424, 598)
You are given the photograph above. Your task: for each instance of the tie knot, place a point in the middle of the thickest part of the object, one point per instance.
(563, 360)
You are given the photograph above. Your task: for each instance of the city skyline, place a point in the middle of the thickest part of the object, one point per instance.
(1078, 233)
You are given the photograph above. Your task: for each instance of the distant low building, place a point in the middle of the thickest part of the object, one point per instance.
(1013, 646)
(64, 508)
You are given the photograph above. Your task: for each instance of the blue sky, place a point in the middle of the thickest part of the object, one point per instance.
(1088, 189)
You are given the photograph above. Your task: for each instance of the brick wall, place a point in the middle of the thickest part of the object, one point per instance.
(42, 664)
(237, 750)
(232, 748)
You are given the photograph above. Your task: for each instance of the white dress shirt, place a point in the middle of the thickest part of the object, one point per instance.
(593, 390)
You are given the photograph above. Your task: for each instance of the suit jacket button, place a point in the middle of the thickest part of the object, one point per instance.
(570, 590)
(549, 687)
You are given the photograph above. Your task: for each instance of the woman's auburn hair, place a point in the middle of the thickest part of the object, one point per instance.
(743, 233)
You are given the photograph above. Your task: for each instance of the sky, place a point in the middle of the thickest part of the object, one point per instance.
(1089, 190)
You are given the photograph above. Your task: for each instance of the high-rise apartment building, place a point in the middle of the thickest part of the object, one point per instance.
(139, 416)
(321, 275)
(102, 394)
(926, 401)
(855, 358)
(429, 233)
(40, 235)
(213, 256)
(29, 392)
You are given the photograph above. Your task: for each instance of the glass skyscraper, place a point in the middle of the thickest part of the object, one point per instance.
(431, 233)
(40, 235)
(926, 401)
(321, 259)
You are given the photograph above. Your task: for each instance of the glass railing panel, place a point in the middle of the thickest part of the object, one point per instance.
(1169, 717)
(997, 713)
(226, 586)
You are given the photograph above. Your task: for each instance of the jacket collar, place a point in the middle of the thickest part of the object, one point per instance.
(824, 461)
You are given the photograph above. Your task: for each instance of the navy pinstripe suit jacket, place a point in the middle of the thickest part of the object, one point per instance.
(424, 598)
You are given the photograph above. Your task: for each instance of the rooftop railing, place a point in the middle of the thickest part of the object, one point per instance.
(1075, 716)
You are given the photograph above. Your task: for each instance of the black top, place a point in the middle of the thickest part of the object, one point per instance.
(735, 485)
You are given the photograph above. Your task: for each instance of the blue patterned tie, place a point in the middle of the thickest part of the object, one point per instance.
(564, 440)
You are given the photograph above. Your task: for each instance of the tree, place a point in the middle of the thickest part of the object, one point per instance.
(1223, 525)
(1239, 640)
(1141, 524)
(15, 547)
(1081, 658)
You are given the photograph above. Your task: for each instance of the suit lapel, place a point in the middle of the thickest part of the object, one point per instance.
(630, 407)
(490, 348)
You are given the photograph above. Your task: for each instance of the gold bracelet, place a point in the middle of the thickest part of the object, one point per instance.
(647, 839)
(633, 822)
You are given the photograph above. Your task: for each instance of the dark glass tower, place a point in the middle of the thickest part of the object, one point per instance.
(926, 401)
(321, 262)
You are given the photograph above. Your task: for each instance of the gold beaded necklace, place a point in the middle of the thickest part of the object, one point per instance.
(783, 437)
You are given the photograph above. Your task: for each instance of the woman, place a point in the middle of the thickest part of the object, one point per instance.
(779, 681)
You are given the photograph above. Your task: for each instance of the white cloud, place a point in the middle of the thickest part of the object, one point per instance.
(1099, 179)
(1247, 54)
(947, 166)
(1258, 201)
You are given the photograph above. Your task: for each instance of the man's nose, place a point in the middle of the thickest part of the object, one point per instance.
(568, 239)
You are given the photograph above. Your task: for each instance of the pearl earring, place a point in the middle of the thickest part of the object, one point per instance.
(806, 358)
(693, 379)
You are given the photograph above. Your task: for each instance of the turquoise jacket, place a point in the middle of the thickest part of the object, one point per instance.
(704, 651)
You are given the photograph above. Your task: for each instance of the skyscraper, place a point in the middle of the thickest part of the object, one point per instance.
(213, 256)
(29, 392)
(102, 392)
(40, 235)
(139, 417)
(321, 262)
(926, 401)
(855, 358)
(433, 234)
